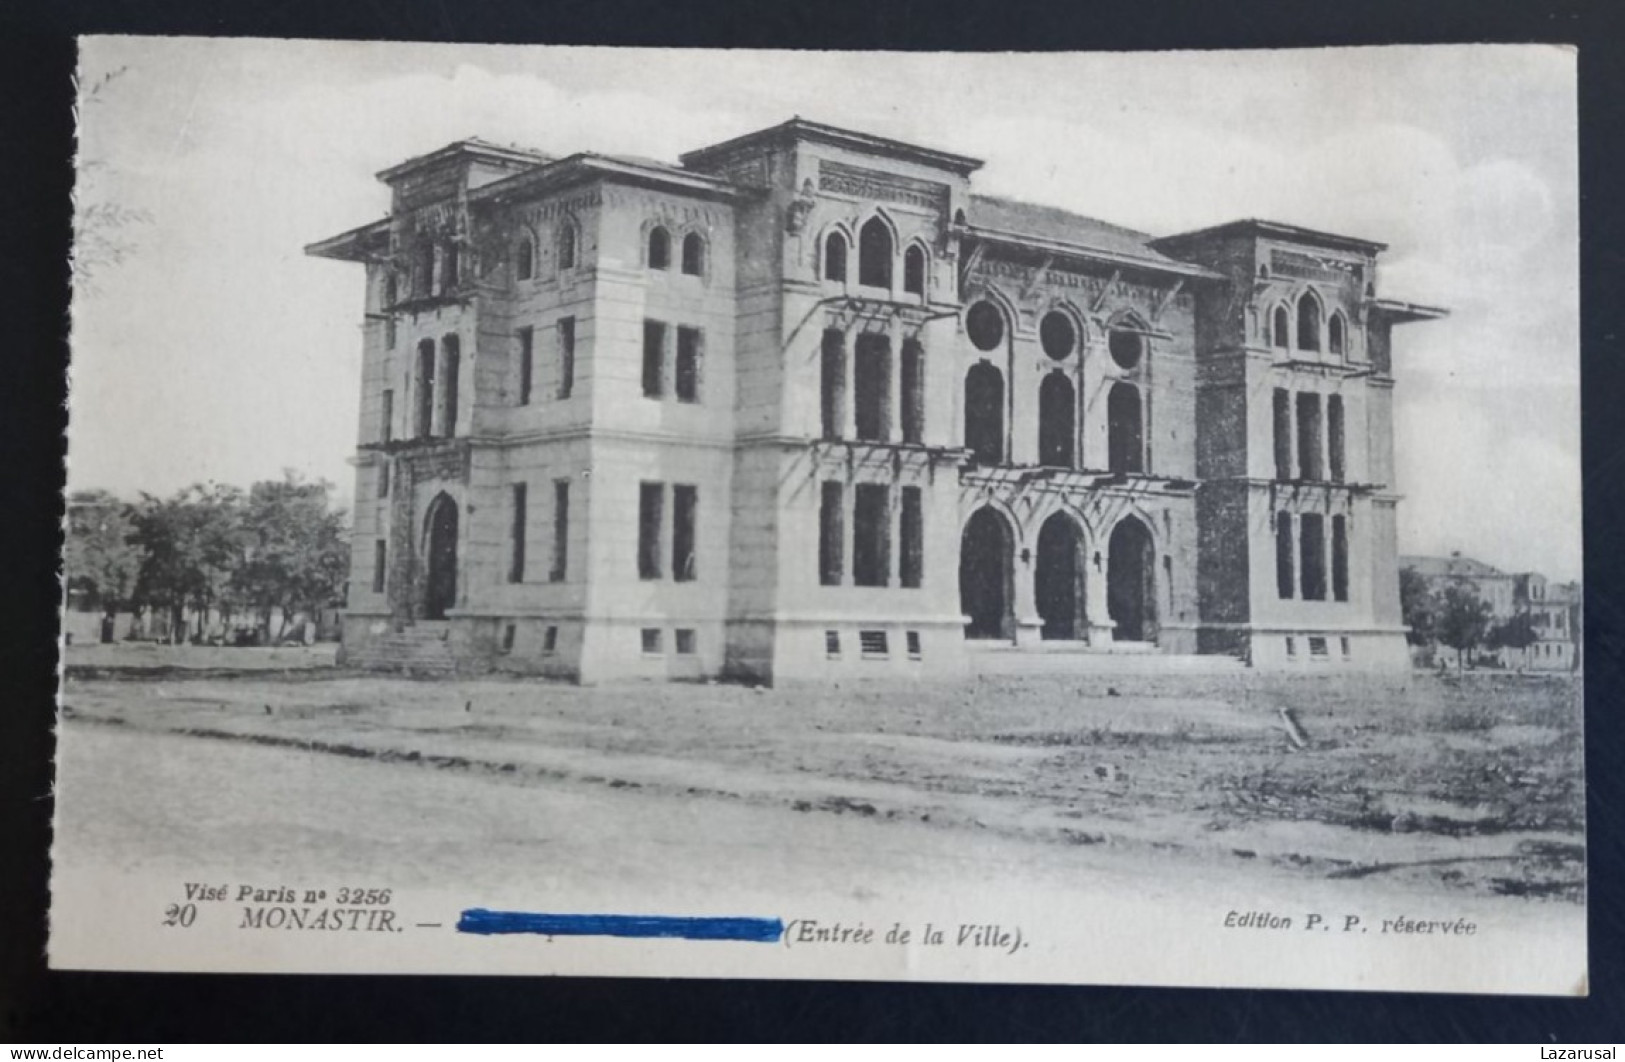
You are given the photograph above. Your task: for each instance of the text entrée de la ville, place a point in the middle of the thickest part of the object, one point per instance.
(988, 936)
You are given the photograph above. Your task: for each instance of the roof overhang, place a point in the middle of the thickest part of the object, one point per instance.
(472, 149)
(1277, 230)
(1083, 252)
(586, 167)
(799, 129)
(1400, 312)
(364, 244)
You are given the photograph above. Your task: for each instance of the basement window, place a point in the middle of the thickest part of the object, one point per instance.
(508, 633)
(1291, 646)
(913, 640)
(651, 640)
(1317, 647)
(550, 639)
(685, 641)
(872, 644)
(832, 644)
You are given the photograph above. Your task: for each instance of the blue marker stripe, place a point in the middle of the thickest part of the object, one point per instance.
(756, 930)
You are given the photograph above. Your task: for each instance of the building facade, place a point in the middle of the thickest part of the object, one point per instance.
(806, 406)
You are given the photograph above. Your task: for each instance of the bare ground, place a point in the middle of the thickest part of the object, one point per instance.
(1465, 786)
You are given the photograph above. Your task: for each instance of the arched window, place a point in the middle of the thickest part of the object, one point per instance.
(1125, 431)
(450, 372)
(914, 271)
(423, 271)
(567, 245)
(392, 291)
(835, 257)
(1281, 329)
(984, 414)
(694, 254)
(524, 262)
(1335, 339)
(450, 267)
(874, 254)
(1308, 322)
(1057, 412)
(1127, 348)
(659, 248)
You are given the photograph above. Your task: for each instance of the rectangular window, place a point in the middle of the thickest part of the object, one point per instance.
(832, 383)
(383, 478)
(1283, 434)
(527, 363)
(508, 633)
(873, 643)
(380, 564)
(832, 643)
(871, 386)
(516, 536)
(871, 535)
(685, 503)
(913, 386)
(386, 418)
(1291, 646)
(651, 514)
(1309, 465)
(550, 639)
(654, 359)
(1317, 647)
(1340, 559)
(913, 641)
(685, 641)
(1312, 556)
(567, 356)
(690, 349)
(911, 529)
(424, 422)
(1334, 437)
(1343, 643)
(1284, 567)
(389, 331)
(831, 534)
(651, 639)
(561, 530)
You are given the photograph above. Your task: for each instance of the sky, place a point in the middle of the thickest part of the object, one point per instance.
(218, 351)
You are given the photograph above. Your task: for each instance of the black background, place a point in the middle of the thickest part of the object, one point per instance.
(36, 148)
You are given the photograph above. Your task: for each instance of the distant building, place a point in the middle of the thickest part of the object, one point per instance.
(807, 406)
(1553, 609)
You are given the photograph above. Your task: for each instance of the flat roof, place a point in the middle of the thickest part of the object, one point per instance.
(472, 147)
(351, 246)
(587, 165)
(799, 128)
(1052, 229)
(1278, 230)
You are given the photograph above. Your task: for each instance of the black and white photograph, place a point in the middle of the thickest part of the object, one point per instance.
(1078, 518)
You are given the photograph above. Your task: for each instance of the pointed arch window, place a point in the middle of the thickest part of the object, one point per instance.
(914, 271)
(524, 261)
(694, 254)
(835, 257)
(1281, 329)
(874, 254)
(568, 239)
(1336, 335)
(1308, 322)
(659, 248)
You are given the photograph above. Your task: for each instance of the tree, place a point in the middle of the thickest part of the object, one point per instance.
(191, 544)
(103, 227)
(1418, 605)
(295, 557)
(100, 562)
(1517, 632)
(1462, 620)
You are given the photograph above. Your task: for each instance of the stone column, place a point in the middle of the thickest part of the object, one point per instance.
(1029, 624)
(1101, 626)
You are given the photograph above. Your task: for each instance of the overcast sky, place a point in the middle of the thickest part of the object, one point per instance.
(219, 351)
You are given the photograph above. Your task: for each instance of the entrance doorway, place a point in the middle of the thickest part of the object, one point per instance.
(440, 586)
(986, 557)
(1130, 582)
(1058, 579)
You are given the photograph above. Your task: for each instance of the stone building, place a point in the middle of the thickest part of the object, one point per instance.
(807, 406)
(1552, 609)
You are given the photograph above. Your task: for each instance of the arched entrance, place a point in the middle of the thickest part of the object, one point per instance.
(984, 414)
(1131, 582)
(1058, 579)
(986, 559)
(440, 551)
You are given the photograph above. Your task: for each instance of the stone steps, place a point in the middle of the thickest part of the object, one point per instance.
(421, 649)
